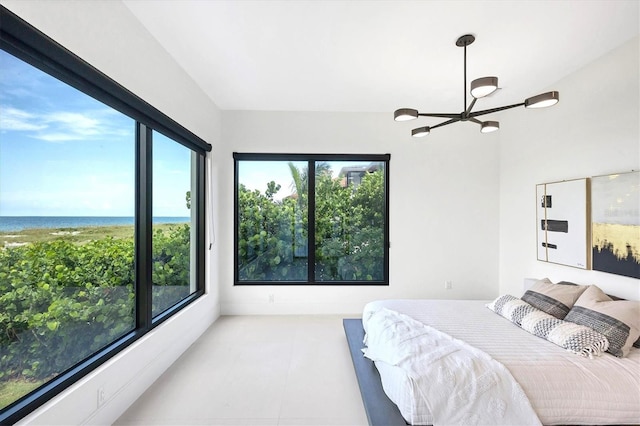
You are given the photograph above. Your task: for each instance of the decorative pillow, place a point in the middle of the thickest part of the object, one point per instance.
(554, 299)
(511, 308)
(575, 338)
(619, 320)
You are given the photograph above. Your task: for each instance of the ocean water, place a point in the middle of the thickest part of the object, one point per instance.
(18, 223)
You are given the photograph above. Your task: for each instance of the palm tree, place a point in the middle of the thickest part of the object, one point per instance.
(300, 186)
(300, 177)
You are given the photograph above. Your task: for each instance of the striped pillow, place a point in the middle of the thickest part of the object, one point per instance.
(511, 308)
(575, 338)
(554, 299)
(619, 320)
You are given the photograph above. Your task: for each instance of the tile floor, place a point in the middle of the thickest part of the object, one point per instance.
(258, 370)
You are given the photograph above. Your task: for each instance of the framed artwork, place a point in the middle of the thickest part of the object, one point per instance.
(615, 207)
(562, 223)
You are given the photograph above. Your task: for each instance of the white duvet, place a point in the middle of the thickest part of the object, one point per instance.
(562, 388)
(460, 385)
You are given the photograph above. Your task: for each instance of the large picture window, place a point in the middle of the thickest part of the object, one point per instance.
(101, 218)
(329, 226)
(67, 170)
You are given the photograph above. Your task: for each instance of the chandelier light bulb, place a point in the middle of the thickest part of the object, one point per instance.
(489, 126)
(542, 101)
(420, 132)
(405, 114)
(484, 86)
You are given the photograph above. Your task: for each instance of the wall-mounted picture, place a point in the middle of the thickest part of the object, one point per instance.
(562, 218)
(615, 207)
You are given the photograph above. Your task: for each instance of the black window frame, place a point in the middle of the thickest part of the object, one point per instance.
(311, 159)
(27, 43)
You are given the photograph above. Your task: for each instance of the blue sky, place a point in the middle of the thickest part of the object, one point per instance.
(62, 153)
(256, 174)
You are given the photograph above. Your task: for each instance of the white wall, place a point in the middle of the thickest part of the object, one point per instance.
(106, 35)
(443, 207)
(593, 130)
(444, 189)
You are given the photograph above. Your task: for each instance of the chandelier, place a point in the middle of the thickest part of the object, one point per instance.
(480, 88)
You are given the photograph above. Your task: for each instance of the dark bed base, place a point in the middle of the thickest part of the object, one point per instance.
(379, 408)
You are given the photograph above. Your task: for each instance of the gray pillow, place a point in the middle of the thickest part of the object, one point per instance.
(554, 299)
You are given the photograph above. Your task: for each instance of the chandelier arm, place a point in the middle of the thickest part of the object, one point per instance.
(468, 110)
(475, 120)
(489, 111)
(444, 123)
(441, 115)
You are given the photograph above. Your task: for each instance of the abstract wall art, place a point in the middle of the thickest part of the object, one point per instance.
(615, 209)
(562, 222)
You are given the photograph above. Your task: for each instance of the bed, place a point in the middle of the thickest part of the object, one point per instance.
(561, 387)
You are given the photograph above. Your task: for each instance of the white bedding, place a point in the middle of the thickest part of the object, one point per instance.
(563, 388)
(459, 383)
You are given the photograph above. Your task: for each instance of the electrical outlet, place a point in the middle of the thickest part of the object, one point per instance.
(272, 298)
(101, 396)
(448, 285)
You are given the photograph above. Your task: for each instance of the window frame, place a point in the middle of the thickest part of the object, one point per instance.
(310, 159)
(22, 40)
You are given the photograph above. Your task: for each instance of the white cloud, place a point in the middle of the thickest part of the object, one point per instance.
(61, 126)
(57, 137)
(16, 119)
(65, 125)
(77, 123)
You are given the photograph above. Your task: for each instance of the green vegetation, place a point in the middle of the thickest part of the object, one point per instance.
(74, 235)
(67, 293)
(349, 229)
(14, 389)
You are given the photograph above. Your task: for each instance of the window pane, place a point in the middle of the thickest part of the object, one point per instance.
(338, 219)
(350, 221)
(174, 228)
(66, 227)
(272, 221)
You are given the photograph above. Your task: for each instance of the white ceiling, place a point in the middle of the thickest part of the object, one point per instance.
(380, 55)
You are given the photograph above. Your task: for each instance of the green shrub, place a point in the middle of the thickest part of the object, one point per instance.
(61, 302)
(349, 230)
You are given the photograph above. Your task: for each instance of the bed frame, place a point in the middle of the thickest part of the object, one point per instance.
(379, 408)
